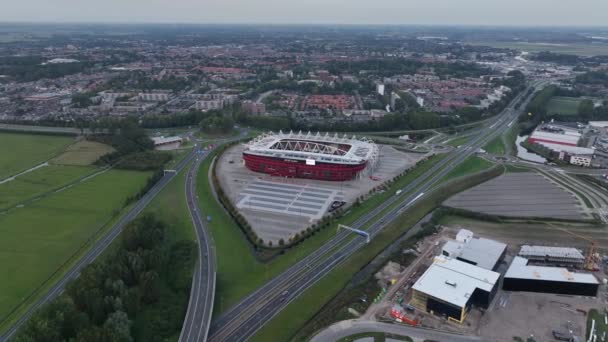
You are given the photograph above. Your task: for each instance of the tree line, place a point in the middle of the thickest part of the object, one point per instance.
(137, 292)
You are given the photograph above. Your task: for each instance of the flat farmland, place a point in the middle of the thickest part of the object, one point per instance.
(83, 152)
(563, 105)
(38, 182)
(27, 150)
(37, 240)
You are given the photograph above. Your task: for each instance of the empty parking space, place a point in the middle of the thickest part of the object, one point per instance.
(522, 194)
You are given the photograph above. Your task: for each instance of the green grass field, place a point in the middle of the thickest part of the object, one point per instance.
(239, 272)
(39, 182)
(560, 105)
(82, 153)
(28, 150)
(470, 165)
(458, 141)
(600, 327)
(496, 146)
(38, 239)
(505, 143)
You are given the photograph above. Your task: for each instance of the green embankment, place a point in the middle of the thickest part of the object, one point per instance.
(505, 143)
(471, 165)
(28, 150)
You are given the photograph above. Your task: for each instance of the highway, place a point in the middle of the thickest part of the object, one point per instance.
(200, 306)
(245, 318)
(97, 248)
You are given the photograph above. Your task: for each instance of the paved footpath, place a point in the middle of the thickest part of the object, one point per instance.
(351, 327)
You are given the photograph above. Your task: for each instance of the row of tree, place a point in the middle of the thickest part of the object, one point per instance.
(138, 292)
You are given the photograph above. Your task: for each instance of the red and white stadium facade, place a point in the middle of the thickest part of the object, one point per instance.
(312, 156)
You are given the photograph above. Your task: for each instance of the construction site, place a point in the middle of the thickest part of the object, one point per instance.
(484, 280)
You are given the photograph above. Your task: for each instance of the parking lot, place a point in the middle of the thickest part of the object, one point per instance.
(521, 194)
(278, 208)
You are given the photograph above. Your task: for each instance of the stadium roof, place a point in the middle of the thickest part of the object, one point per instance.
(454, 281)
(521, 270)
(318, 147)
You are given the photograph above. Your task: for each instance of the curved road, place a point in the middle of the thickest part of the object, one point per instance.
(347, 328)
(200, 306)
(245, 318)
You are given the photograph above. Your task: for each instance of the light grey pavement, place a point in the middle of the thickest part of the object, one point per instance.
(351, 327)
(520, 194)
(202, 292)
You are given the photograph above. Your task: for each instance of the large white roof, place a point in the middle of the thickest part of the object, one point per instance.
(566, 148)
(482, 252)
(563, 138)
(454, 281)
(521, 270)
(319, 147)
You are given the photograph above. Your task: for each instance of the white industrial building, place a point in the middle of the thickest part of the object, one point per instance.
(167, 143)
(531, 278)
(451, 287)
(481, 252)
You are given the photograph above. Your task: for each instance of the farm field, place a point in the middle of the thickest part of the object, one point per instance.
(42, 237)
(82, 153)
(28, 150)
(39, 182)
(563, 105)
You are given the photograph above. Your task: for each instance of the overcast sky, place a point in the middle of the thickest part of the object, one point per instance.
(448, 12)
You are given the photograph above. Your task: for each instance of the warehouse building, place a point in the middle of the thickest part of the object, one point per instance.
(450, 288)
(523, 277)
(565, 256)
(481, 252)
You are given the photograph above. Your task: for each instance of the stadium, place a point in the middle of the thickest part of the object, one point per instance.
(312, 156)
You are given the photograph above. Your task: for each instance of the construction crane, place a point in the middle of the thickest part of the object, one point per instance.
(590, 254)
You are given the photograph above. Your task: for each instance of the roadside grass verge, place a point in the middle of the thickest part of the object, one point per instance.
(290, 320)
(496, 146)
(239, 272)
(458, 141)
(600, 327)
(28, 150)
(470, 165)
